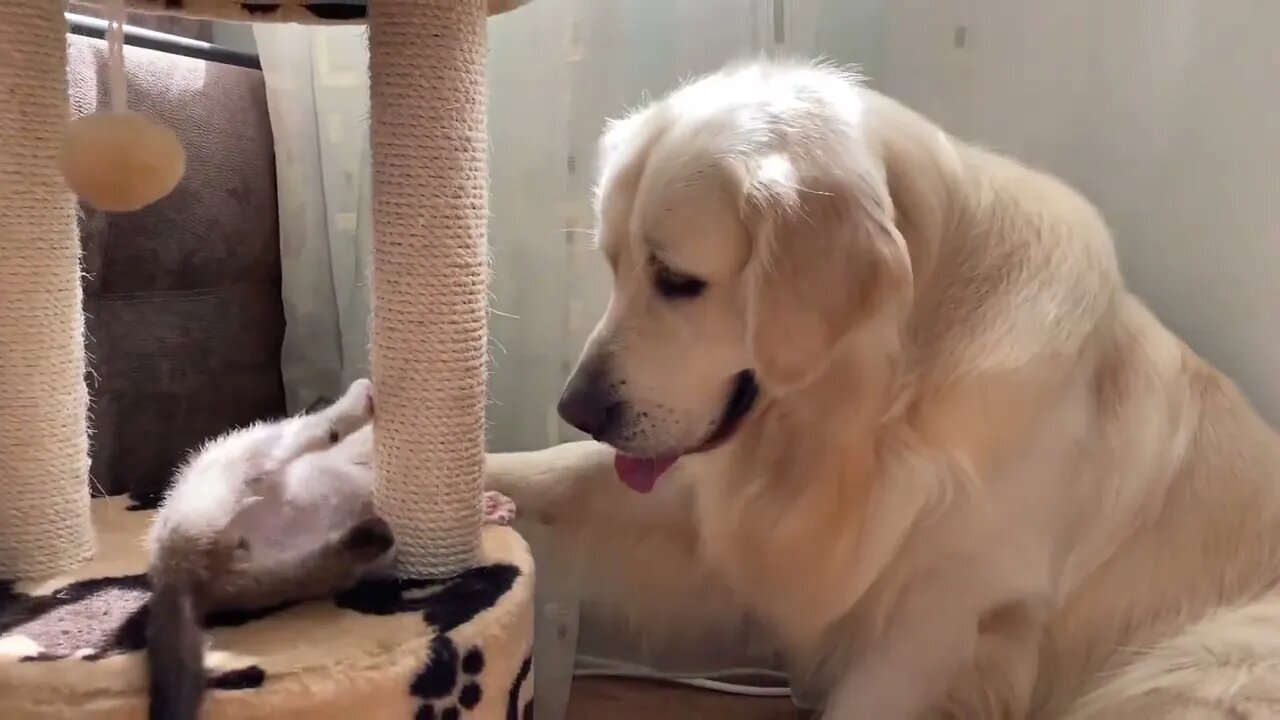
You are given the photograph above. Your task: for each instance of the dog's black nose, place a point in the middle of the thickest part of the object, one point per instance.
(589, 405)
(581, 409)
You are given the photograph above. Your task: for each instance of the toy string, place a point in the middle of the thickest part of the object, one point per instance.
(115, 56)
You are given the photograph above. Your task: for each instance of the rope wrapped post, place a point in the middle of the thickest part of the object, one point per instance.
(44, 447)
(430, 271)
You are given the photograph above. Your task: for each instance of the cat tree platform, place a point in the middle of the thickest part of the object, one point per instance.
(72, 646)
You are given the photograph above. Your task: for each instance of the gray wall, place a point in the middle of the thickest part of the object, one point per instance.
(1165, 113)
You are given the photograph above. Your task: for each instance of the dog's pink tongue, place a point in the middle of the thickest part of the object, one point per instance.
(641, 474)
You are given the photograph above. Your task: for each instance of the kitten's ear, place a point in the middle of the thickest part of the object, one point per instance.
(369, 540)
(242, 553)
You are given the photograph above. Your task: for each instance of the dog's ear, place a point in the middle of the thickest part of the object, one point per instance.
(827, 259)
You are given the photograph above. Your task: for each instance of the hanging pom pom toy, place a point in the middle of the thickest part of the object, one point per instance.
(118, 160)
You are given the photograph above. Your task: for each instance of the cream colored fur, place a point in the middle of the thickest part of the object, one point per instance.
(981, 481)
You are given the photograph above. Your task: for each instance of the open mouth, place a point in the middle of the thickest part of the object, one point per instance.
(641, 474)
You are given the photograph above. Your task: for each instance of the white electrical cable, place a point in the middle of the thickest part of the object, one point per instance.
(718, 681)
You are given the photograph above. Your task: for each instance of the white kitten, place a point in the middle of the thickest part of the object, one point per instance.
(260, 516)
(272, 513)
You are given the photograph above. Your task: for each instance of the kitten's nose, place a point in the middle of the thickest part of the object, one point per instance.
(588, 403)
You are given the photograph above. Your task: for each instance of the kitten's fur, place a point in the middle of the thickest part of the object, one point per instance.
(271, 513)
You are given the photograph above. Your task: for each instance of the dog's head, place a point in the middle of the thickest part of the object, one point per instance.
(749, 228)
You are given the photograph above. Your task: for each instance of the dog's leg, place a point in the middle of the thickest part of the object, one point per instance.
(551, 485)
(634, 559)
(1001, 679)
(1223, 667)
(904, 668)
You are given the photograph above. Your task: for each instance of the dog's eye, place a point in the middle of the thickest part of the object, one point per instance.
(672, 284)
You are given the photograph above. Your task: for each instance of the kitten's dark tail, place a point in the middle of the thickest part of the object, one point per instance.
(175, 654)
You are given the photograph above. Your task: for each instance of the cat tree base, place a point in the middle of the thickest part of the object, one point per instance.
(72, 645)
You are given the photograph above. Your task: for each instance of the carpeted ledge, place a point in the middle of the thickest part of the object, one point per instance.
(71, 646)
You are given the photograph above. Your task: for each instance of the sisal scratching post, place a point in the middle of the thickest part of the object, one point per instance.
(71, 644)
(430, 200)
(44, 500)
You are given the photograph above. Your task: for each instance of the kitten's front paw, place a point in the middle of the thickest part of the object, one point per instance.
(353, 410)
(362, 389)
(498, 508)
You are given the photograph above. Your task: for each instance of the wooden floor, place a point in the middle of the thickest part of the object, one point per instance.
(609, 699)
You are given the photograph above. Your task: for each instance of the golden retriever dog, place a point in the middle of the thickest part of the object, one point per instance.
(894, 403)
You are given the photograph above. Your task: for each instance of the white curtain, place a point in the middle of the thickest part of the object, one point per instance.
(557, 69)
(318, 94)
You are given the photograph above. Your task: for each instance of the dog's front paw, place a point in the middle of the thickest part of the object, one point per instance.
(498, 508)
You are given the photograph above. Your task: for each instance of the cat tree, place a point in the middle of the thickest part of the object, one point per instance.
(409, 650)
